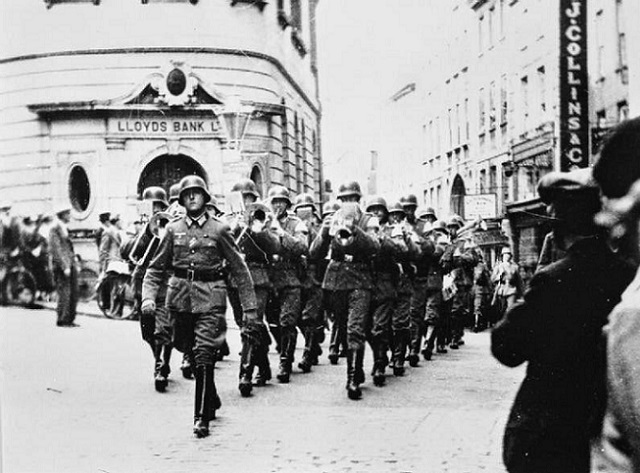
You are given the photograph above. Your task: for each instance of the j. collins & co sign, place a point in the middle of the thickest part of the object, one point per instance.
(574, 85)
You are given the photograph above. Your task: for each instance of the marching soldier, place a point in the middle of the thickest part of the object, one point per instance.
(458, 261)
(311, 320)
(386, 275)
(155, 327)
(195, 249)
(258, 245)
(436, 317)
(349, 275)
(63, 261)
(338, 336)
(401, 322)
(175, 208)
(286, 297)
(481, 294)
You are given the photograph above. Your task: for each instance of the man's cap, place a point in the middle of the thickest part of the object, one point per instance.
(618, 166)
(506, 251)
(577, 184)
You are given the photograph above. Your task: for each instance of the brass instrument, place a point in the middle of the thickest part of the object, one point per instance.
(156, 226)
(467, 231)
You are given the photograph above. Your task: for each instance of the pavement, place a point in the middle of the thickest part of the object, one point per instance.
(82, 400)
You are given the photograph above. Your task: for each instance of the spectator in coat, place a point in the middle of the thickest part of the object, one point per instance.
(64, 267)
(557, 330)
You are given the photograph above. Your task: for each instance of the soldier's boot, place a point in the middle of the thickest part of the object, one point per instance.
(246, 368)
(166, 360)
(160, 380)
(399, 353)
(187, 365)
(307, 357)
(276, 333)
(318, 339)
(414, 347)
(427, 351)
(359, 362)
(353, 389)
(287, 347)
(333, 344)
(222, 351)
(200, 407)
(262, 363)
(379, 364)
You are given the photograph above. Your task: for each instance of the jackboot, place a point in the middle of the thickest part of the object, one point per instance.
(353, 389)
(262, 363)
(207, 401)
(359, 361)
(187, 365)
(333, 344)
(379, 364)
(414, 346)
(307, 357)
(160, 379)
(287, 346)
(246, 368)
(399, 352)
(166, 360)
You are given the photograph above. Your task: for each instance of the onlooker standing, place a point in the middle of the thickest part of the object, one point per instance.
(616, 170)
(64, 268)
(509, 286)
(557, 330)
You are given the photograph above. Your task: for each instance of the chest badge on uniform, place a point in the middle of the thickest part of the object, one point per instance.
(192, 242)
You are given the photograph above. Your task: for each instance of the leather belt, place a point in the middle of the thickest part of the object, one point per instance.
(204, 275)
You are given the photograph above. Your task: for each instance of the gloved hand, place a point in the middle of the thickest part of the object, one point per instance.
(148, 307)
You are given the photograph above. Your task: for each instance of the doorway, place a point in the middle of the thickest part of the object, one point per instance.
(166, 170)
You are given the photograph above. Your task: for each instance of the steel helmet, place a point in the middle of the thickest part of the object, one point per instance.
(174, 192)
(506, 251)
(396, 207)
(376, 201)
(440, 226)
(330, 207)
(349, 189)
(155, 194)
(455, 220)
(304, 200)
(194, 182)
(246, 186)
(409, 200)
(213, 204)
(424, 212)
(279, 192)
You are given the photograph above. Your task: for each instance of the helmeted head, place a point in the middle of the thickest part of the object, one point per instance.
(213, 207)
(428, 214)
(104, 217)
(397, 212)
(194, 193)
(304, 200)
(349, 192)
(157, 196)
(63, 212)
(454, 223)
(506, 254)
(248, 189)
(279, 199)
(174, 193)
(377, 205)
(330, 207)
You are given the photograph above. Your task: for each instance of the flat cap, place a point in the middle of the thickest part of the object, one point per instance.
(556, 185)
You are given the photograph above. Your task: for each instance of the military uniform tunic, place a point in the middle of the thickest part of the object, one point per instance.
(196, 250)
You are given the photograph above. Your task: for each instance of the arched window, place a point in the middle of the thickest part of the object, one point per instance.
(256, 176)
(457, 196)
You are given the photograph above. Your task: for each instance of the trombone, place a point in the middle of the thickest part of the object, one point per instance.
(156, 226)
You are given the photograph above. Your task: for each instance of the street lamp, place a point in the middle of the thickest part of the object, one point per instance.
(235, 117)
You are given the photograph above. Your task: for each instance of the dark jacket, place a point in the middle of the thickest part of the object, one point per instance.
(286, 265)
(557, 329)
(60, 248)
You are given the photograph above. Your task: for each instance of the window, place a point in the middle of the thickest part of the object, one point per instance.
(483, 181)
(491, 26)
(481, 111)
(542, 89)
(503, 100)
(622, 38)
(524, 93)
(303, 138)
(623, 111)
(458, 137)
(501, 18)
(493, 176)
(79, 188)
(599, 45)
(466, 120)
(450, 120)
(481, 33)
(492, 106)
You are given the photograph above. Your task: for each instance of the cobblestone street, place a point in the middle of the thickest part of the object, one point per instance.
(82, 400)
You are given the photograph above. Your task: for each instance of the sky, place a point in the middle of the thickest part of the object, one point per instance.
(367, 50)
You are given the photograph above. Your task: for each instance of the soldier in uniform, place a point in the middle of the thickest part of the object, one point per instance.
(401, 321)
(105, 222)
(338, 335)
(349, 275)
(197, 249)
(175, 208)
(156, 326)
(284, 307)
(386, 275)
(481, 294)
(506, 277)
(311, 320)
(458, 261)
(65, 271)
(258, 245)
(436, 317)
